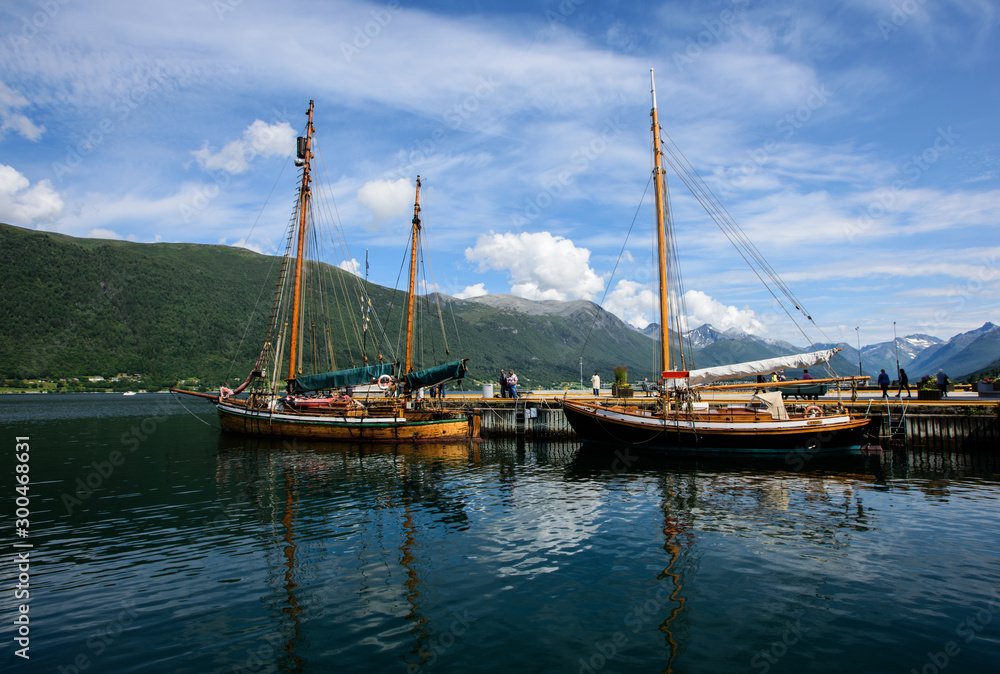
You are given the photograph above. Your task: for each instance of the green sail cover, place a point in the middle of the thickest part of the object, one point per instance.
(436, 375)
(353, 377)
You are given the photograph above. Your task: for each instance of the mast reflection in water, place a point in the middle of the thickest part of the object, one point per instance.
(497, 556)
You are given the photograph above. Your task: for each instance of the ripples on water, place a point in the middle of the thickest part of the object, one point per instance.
(209, 553)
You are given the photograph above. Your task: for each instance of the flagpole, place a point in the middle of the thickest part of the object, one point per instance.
(896, 345)
(861, 372)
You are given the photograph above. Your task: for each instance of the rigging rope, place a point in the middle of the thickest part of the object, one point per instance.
(430, 246)
(752, 255)
(350, 286)
(617, 262)
(264, 284)
(735, 234)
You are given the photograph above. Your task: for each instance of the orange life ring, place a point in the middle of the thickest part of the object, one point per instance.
(384, 382)
(814, 411)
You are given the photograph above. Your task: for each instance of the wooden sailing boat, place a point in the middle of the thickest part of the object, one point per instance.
(326, 404)
(681, 423)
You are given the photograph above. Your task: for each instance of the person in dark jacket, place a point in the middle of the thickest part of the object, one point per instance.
(883, 381)
(904, 383)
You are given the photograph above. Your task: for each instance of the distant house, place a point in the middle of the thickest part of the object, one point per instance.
(95, 378)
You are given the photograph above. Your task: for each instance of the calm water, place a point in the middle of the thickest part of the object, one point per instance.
(199, 552)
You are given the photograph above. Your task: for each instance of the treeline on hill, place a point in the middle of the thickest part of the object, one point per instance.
(78, 307)
(83, 307)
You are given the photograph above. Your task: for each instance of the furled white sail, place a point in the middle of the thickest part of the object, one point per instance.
(708, 375)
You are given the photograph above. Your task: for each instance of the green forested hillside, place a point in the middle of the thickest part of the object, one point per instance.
(72, 307)
(547, 348)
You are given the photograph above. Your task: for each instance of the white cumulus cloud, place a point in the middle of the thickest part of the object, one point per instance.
(22, 203)
(541, 266)
(633, 302)
(387, 200)
(426, 287)
(636, 303)
(477, 290)
(250, 245)
(102, 233)
(702, 308)
(259, 140)
(352, 266)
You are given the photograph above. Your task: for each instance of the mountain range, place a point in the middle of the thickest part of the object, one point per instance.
(919, 354)
(74, 307)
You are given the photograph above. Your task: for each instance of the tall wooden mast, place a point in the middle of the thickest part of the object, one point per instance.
(305, 155)
(661, 238)
(414, 246)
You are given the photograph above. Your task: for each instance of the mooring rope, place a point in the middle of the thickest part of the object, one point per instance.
(218, 428)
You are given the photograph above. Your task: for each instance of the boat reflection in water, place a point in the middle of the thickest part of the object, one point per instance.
(448, 556)
(252, 555)
(295, 486)
(707, 501)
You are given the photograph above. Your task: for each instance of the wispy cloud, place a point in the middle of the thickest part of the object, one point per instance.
(11, 120)
(530, 132)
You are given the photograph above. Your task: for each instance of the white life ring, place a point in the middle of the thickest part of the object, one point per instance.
(814, 411)
(384, 382)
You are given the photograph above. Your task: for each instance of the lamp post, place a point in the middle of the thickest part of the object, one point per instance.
(861, 373)
(895, 344)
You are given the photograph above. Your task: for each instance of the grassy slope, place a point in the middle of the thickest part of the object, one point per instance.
(79, 306)
(72, 307)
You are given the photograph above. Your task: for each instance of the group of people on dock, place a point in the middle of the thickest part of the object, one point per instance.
(904, 383)
(508, 384)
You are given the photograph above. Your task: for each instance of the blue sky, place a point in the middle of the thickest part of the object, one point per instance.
(856, 143)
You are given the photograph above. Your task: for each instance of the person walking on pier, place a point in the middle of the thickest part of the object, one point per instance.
(942, 382)
(595, 383)
(503, 383)
(883, 381)
(904, 383)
